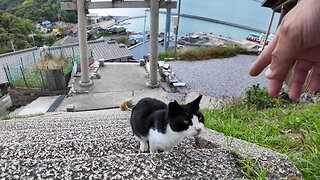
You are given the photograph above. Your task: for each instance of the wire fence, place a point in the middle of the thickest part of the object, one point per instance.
(25, 71)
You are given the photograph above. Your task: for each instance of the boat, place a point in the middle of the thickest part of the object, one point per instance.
(259, 38)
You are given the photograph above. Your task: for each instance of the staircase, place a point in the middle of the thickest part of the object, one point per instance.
(100, 145)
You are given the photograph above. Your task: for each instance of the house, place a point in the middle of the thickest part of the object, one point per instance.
(94, 18)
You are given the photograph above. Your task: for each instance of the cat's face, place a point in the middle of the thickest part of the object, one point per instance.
(186, 118)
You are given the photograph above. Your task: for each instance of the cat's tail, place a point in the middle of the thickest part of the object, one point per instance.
(126, 106)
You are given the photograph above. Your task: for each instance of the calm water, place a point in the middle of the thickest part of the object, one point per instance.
(246, 12)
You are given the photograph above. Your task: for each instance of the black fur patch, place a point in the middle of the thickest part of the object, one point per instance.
(151, 113)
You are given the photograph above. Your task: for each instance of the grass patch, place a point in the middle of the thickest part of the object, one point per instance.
(203, 53)
(291, 129)
(252, 168)
(33, 78)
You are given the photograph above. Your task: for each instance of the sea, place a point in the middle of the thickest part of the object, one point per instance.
(244, 12)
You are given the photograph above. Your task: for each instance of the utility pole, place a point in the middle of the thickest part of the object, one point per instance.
(144, 25)
(83, 44)
(167, 31)
(177, 30)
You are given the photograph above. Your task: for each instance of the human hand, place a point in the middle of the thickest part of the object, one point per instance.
(296, 44)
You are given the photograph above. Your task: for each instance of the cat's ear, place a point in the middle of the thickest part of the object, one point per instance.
(174, 107)
(194, 105)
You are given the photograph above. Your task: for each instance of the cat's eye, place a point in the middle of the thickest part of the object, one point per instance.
(186, 121)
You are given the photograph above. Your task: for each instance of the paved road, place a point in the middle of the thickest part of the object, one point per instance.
(218, 77)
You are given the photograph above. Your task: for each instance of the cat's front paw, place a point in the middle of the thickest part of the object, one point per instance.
(143, 147)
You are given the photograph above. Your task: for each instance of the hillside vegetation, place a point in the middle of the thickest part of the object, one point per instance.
(37, 10)
(18, 19)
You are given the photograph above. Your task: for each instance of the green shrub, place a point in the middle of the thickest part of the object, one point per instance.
(166, 54)
(50, 40)
(122, 40)
(5, 49)
(259, 98)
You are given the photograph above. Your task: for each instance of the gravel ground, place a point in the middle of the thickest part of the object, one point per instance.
(217, 77)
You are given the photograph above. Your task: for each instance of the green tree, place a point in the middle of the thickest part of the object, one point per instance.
(14, 29)
(7, 20)
(8, 4)
(69, 16)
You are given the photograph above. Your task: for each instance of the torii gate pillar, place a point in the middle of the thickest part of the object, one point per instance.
(154, 31)
(83, 44)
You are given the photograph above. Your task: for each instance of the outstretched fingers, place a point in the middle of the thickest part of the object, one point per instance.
(264, 58)
(283, 58)
(315, 79)
(301, 71)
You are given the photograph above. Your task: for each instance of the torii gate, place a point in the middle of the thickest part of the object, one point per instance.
(154, 5)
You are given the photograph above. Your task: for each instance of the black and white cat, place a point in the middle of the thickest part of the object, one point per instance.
(163, 126)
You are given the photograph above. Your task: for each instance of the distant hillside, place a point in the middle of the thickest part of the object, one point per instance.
(18, 19)
(37, 10)
(8, 4)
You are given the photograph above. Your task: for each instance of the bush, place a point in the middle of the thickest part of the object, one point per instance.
(122, 40)
(166, 54)
(5, 49)
(50, 40)
(259, 98)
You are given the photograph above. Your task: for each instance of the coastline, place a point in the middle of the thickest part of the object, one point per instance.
(202, 18)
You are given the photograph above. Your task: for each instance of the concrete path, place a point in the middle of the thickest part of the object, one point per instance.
(219, 78)
(38, 106)
(119, 82)
(100, 145)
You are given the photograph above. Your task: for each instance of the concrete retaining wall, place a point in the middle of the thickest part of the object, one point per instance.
(24, 96)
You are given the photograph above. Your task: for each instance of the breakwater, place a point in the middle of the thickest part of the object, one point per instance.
(219, 22)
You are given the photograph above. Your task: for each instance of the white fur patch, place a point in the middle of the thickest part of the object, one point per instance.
(160, 141)
(196, 127)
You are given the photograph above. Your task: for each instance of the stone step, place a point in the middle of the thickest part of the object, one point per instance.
(58, 123)
(64, 134)
(185, 164)
(65, 120)
(81, 148)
